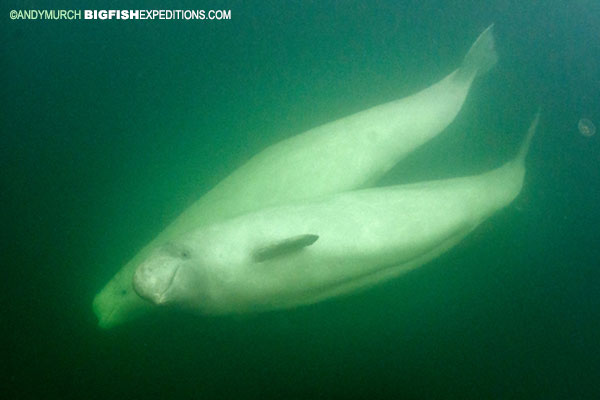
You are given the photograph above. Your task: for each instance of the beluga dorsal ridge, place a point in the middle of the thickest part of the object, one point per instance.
(342, 155)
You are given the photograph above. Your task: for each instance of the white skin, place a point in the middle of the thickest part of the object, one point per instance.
(364, 238)
(346, 154)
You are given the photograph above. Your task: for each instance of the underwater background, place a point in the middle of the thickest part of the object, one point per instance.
(111, 128)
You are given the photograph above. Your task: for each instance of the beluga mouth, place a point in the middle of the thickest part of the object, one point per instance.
(153, 279)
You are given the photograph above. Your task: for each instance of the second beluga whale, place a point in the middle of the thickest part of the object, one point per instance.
(342, 155)
(302, 253)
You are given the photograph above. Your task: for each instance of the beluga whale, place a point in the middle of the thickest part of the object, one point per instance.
(298, 254)
(349, 153)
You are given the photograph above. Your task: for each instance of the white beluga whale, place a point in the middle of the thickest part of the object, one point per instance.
(346, 154)
(302, 253)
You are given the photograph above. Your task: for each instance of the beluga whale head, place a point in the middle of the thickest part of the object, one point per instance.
(168, 275)
(237, 266)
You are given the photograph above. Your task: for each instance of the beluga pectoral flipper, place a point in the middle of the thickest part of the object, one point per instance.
(281, 247)
(341, 155)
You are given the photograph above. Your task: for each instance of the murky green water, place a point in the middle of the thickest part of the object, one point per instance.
(111, 128)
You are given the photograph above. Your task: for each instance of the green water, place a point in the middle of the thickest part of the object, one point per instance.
(111, 128)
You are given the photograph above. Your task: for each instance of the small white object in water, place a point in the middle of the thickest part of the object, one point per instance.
(586, 127)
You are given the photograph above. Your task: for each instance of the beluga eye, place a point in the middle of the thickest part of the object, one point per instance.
(176, 250)
(185, 254)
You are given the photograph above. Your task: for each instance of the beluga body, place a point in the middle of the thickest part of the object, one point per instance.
(299, 254)
(346, 154)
